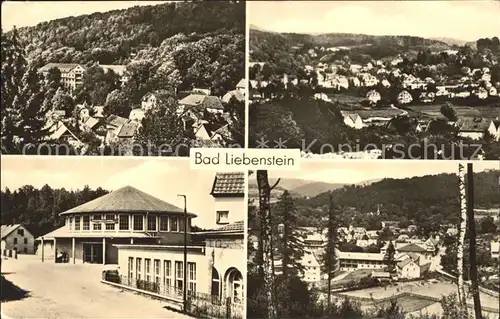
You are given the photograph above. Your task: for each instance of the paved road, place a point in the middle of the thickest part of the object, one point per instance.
(73, 291)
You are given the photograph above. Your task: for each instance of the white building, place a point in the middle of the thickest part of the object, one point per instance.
(17, 237)
(495, 249)
(349, 261)
(71, 74)
(373, 96)
(312, 268)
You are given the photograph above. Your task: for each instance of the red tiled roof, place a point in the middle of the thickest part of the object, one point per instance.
(229, 184)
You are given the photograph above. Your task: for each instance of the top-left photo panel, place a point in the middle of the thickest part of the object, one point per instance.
(122, 78)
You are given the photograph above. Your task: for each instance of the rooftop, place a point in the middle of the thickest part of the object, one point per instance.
(228, 184)
(126, 199)
(7, 229)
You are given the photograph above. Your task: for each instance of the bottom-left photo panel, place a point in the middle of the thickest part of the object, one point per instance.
(111, 237)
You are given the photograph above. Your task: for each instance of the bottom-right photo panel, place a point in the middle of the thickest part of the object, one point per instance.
(378, 239)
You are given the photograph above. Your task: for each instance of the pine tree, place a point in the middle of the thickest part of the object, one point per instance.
(13, 68)
(329, 257)
(30, 100)
(291, 245)
(389, 258)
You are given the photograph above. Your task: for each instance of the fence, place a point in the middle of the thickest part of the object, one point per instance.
(198, 304)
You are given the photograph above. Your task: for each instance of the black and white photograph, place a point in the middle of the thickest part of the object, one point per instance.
(143, 78)
(375, 79)
(114, 237)
(374, 240)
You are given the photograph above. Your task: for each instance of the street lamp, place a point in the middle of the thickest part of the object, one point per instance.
(185, 253)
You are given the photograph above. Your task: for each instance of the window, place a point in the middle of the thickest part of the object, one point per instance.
(130, 267)
(70, 223)
(138, 262)
(86, 222)
(179, 275)
(215, 283)
(110, 222)
(147, 269)
(167, 273)
(97, 217)
(77, 222)
(192, 278)
(157, 271)
(25, 249)
(173, 224)
(25, 241)
(222, 217)
(181, 224)
(138, 222)
(152, 222)
(237, 281)
(20, 232)
(15, 241)
(163, 223)
(123, 222)
(97, 226)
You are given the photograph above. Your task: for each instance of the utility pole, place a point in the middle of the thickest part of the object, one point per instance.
(461, 237)
(185, 254)
(472, 241)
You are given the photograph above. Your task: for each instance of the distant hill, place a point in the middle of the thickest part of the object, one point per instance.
(315, 188)
(268, 46)
(450, 41)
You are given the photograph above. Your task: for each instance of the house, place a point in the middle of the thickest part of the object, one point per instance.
(241, 86)
(71, 74)
(17, 237)
(349, 261)
(386, 83)
(124, 216)
(228, 193)
(137, 115)
(322, 96)
(98, 111)
(151, 100)
(237, 94)
(119, 70)
(90, 124)
(200, 103)
(404, 97)
(352, 120)
(481, 93)
(427, 97)
(424, 253)
(312, 268)
(355, 68)
(215, 258)
(216, 133)
(408, 269)
(475, 127)
(495, 249)
(59, 132)
(373, 96)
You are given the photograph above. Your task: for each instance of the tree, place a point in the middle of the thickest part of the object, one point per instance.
(236, 111)
(389, 258)
(267, 267)
(63, 101)
(329, 257)
(291, 242)
(448, 111)
(162, 132)
(488, 225)
(117, 104)
(97, 84)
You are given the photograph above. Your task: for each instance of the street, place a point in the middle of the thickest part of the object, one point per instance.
(72, 291)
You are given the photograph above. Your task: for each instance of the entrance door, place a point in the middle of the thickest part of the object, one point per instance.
(92, 253)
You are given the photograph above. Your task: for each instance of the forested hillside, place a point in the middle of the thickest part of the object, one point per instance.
(188, 43)
(38, 209)
(273, 47)
(428, 201)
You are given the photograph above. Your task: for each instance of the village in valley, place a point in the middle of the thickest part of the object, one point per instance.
(124, 253)
(373, 92)
(386, 245)
(88, 85)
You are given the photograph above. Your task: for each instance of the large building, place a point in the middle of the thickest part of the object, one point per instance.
(125, 216)
(17, 237)
(71, 74)
(215, 258)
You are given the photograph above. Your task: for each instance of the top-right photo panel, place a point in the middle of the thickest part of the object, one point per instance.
(376, 79)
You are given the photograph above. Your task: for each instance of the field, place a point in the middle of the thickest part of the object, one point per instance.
(434, 110)
(408, 303)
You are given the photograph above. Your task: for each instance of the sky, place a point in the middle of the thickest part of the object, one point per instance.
(352, 172)
(160, 177)
(463, 20)
(30, 13)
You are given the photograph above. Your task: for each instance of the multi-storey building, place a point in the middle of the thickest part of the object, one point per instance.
(17, 237)
(125, 216)
(71, 74)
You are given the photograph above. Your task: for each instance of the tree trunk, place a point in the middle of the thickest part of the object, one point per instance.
(472, 241)
(266, 241)
(461, 238)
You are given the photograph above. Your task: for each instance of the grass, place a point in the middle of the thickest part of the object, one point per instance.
(408, 303)
(479, 111)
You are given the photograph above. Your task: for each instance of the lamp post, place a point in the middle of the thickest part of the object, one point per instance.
(185, 254)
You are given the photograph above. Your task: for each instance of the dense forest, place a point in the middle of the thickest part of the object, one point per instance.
(428, 201)
(39, 209)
